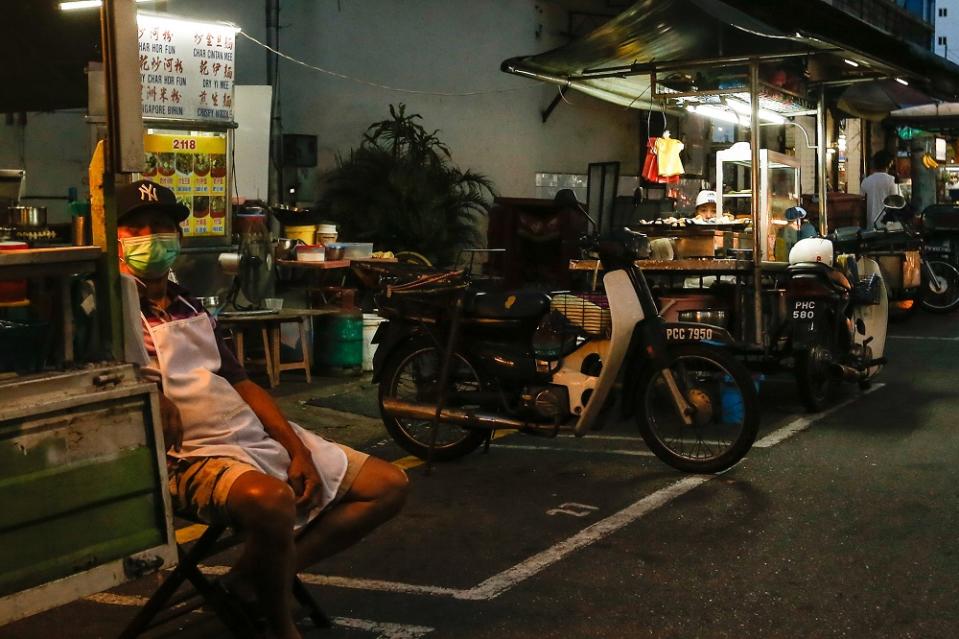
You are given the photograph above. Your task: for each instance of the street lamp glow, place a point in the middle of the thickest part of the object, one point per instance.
(74, 5)
(765, 115)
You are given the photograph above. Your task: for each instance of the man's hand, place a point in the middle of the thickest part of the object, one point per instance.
(172, 424)
(304, 478)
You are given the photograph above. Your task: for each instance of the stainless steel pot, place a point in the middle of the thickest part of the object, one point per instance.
(286, 248)
(35, 216)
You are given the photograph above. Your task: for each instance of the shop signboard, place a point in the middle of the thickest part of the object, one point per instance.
(187, 68)
(193, 165)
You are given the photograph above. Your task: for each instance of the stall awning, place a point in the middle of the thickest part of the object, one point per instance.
(612, 62)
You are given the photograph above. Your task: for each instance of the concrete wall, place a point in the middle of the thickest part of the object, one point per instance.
(429, 47)
(449, 47)
(946, 39)
(54, 148)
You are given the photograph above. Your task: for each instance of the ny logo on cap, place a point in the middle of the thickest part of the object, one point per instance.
(148, 193)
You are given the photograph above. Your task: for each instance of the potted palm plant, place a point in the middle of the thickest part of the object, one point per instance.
(400, 190)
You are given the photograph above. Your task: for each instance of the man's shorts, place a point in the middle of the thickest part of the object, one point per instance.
(199, 489)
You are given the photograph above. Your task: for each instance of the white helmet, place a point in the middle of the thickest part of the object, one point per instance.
(705, 197)
(811, 250)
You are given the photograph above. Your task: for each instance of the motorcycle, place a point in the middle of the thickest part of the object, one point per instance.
(839, 316)
(454, 365)
(940, 257)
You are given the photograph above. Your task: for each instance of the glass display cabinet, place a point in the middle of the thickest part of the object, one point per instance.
(779, 187)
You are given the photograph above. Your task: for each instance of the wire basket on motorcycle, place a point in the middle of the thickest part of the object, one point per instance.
(588, 312)
(426, 294)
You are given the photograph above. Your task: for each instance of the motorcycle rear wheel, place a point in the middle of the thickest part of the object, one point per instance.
(726, 419)
(412, 374)
(817, 387)
(948, 300)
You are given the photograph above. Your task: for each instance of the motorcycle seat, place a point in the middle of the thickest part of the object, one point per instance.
(508, 305)
(835, 277)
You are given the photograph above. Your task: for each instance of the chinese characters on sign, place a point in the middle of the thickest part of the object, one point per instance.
(186, 69)
(194, 166)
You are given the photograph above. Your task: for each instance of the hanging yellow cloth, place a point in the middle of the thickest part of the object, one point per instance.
(667, 156)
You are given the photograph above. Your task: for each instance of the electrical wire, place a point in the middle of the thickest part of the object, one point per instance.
(377, 85)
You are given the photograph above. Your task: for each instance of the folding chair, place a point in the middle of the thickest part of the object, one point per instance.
(226, 608)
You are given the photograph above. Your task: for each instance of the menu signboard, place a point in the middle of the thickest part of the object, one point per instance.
(186, 69)
(194, 166)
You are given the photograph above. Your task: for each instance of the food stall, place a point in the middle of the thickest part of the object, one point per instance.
(759, 69)
(82, 460)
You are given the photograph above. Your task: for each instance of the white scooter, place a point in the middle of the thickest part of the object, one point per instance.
(839, 316)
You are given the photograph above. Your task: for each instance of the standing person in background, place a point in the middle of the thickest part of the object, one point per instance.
(878, 186)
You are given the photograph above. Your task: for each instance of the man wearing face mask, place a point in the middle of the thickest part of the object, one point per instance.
(233, 458)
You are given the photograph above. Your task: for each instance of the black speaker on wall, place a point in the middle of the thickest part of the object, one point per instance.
(299, 150)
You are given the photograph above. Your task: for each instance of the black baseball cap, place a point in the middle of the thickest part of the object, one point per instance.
(144, 194)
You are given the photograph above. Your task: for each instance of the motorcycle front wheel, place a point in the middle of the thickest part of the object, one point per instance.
(412, 374)
(724, 413)
(946, 300)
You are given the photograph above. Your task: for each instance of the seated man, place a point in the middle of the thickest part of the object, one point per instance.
(232, 456)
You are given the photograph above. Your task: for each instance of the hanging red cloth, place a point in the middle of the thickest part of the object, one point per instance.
(651, 166)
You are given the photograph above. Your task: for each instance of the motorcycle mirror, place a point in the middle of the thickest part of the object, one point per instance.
(566, 197)
(894, 202)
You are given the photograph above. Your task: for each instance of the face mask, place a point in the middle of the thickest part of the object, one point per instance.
(151, 256)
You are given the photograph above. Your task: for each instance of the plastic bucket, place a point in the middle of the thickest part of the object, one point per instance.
(338, 342)
(370, 324)
(306, 234)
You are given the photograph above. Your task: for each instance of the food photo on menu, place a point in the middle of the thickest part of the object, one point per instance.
(184, 163)
(201, 165)
(218, 165)
(150, 165)
(201, 206)
(217, 206)
(166, 164)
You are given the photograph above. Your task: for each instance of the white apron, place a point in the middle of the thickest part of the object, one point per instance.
(217, 422)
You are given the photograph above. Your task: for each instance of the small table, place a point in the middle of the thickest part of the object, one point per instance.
(269, 326)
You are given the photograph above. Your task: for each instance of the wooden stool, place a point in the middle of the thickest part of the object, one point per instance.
(263, 327)
(276, 325)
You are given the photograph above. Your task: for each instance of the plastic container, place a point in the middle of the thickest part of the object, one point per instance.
(354, 250)
(326, 233)
(306, 233)
(338, 343)
(315, 253)
(370, 324)
(731, 400)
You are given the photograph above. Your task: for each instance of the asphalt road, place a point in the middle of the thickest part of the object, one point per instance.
(841, 524)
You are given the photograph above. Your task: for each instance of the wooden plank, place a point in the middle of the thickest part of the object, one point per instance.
(59, 490)
(35, 257)
(78, 541)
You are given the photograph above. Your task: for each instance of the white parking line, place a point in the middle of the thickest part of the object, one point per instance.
(382, 629)
(802, 423)
(498, 584)
(636, 453)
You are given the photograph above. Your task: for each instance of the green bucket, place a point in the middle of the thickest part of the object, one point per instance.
(338, 342)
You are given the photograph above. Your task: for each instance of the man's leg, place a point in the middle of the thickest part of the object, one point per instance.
(376, 495)
(265, 509)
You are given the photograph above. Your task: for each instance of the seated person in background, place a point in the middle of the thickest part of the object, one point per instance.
(233, 458)
(796, 228)
(705, 206)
